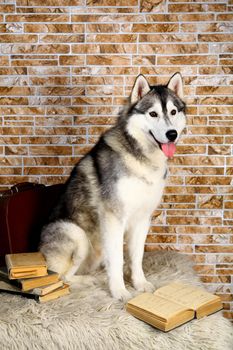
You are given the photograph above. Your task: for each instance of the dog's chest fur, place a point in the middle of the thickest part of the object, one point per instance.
(141, 191)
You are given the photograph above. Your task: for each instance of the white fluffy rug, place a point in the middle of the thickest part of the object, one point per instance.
(90, 319)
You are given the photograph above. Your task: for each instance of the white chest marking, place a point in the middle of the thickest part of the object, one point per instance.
(139, 196)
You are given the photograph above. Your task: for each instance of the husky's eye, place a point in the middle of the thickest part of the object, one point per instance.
(153, 114)
(173, 112)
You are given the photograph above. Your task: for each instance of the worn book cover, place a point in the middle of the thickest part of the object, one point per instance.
(9, 288)
(173, 305)
(26, 265)
(29, 283)
(47, 289)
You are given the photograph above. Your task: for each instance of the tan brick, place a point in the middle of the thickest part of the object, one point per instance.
(112, 3)
(213, 249)
(161, 238)
(54, 28)
(192, 189)
(4, 61)
(214, 90)
(7, 8)
(92, 100)
(190, 59)
(38, 18)
(186, 149)
(50, 150)
(224, 17)
(144, 60)
(211, 202)
(43, 171)
(49, 3)
(181, 248)
(197, 160)
(111, 18)
(196, 8)
(215, 37)
(228, 271)
(13, 101)
(155, 38)
(150, 28)
(152, 6)
(65, 38)
(11, 171)
(71, 60)
(197, 17)
(178, 198)
(61, 91)
(16, 121)
(98, 80)
(49, 80)
(216, 110)
(111, 38)
(57, 130)
(18, 38)
(104, 48)
(103, 28)
(16, 91)
(223, 150)
(226, 297)
(33, 62)
(193, 221)
(209, 180)
(215, 279)
(204, 269)
(172, 48)
(115, 60)
(216, 100)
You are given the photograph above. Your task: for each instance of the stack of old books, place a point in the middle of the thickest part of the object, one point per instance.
(26, 274)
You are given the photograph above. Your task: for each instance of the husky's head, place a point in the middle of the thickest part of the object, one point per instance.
(157, 113)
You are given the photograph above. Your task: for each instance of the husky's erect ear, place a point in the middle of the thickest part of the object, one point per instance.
(176, 85)
(140, 88)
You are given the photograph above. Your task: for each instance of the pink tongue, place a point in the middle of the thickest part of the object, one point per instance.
(168, 149)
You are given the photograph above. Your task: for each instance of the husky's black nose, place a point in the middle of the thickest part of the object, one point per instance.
(171, 135)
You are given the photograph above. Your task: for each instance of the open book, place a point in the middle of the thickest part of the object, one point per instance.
(172, 305)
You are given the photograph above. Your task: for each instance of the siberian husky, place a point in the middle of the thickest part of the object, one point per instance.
(113, 191)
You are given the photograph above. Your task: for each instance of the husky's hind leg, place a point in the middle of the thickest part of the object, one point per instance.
(65, 246)
(78, 257)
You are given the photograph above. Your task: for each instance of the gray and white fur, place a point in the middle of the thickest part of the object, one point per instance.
(112, 192)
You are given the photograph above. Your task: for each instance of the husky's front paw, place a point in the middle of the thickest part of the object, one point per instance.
(121, 294)
(144, 286)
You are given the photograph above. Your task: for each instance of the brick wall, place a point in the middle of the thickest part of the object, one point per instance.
(66, 70)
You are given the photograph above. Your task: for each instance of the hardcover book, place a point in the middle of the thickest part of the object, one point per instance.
(47, 289)
(26, 265)
(9, 288)
(172, 305)
(29, 283)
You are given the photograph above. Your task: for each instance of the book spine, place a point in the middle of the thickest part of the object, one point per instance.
(8, 262)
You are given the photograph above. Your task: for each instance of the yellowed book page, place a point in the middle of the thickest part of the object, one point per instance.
(55, 294)
(28, 274)
(163, 309)
(165, 326)
(186, 295)
(22, 260)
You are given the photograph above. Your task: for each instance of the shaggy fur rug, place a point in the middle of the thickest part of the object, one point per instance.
(89, 319)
